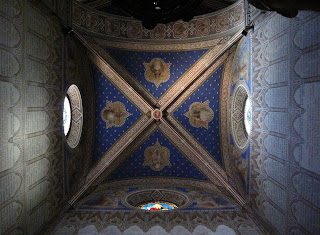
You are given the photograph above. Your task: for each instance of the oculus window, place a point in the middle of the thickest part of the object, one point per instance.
(66, 115)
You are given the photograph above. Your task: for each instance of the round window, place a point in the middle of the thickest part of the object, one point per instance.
(72, 116)
(66, 116)
(247, 116)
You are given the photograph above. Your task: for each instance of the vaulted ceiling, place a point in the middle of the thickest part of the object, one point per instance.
(176, 73)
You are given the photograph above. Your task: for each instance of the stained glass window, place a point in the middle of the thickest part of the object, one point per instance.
(158, 206)
(66, 115)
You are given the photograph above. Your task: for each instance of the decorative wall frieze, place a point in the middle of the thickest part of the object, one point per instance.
(75, 220)
(162, 46)
(209, 26)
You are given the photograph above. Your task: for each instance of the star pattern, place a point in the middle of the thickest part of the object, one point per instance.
(106, 137)
(208, 138)
(180, 167)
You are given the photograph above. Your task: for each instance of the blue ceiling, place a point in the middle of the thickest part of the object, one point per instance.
(180, 167)
(208, 138)
(106, 137)
(133, 61)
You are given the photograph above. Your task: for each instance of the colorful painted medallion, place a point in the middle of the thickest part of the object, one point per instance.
(157, 71)
(157, 114)
(114, 114)
(157, 157)
(200, 114)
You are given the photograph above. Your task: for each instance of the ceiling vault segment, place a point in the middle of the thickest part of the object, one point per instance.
(125, 74)
(211, 172)
(197, 70)
(210, 168)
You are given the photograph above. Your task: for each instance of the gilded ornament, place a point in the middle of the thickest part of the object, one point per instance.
(157, 71)
(157, 157)
(200, 114)
(114, 114)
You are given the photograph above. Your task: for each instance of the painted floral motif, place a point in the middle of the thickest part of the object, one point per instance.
(134, 30)
(157, 157)
(114, 114)
(157, 71)
(180, 30)
(203, 27)
(92, 22)
(112, 27)
(200, 114)
(238, 14)
(223, 22)
(158, 32)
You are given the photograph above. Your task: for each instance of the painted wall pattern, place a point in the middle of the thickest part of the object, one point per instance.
(285, 144)
(31, 49)
(76, 220)
(117, 27)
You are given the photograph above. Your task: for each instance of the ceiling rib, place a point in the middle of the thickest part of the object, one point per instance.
(98, 4)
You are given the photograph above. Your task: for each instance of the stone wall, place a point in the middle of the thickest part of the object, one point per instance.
(286, 129)
(31, 72)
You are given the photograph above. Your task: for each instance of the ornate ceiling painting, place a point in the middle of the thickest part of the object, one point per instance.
(188, 77)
